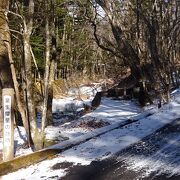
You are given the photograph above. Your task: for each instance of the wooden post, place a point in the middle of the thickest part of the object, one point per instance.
(1, 123)
(8, 121)
(1, 117)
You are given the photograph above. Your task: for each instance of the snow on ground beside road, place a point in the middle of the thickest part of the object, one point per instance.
(71, 104)
(105, 145)
(87, 90)
(115, 110)
(68, 104)
(111, 111)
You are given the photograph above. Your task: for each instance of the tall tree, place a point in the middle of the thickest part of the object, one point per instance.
(47, 69)
(141, 34)
(5, 71)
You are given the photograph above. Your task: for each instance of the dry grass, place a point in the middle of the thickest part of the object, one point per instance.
(62, 86)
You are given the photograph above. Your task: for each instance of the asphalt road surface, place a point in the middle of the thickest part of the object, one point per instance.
(155, 157)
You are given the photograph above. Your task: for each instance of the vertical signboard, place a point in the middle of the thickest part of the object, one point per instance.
(8, 127)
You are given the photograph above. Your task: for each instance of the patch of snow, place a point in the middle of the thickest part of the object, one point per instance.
(71, 103)
(19, 140)
(113, 111)
(175, 92)
(66, 105)
(53, 133)
(87, 90)
(163, 161)
(38, 171)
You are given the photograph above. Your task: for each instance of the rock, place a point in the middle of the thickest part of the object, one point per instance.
(97, 100)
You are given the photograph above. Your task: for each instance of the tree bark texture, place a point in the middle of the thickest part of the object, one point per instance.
(46, 77)
(28, 26)
(5, 71)
(124, 47)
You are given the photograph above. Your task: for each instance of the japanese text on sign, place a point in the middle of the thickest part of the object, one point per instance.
(7, 120)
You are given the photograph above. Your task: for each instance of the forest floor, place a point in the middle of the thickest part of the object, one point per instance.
(140, 142)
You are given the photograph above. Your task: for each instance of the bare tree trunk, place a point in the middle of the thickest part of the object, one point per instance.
(5, 71)
(124, 47)
(53, 69)
(21, 108)
(53, 65)
(28, 26)
(54, 38)
(46, 76)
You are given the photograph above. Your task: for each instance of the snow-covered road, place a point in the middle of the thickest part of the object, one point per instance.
(154, 157)
(106, 145)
